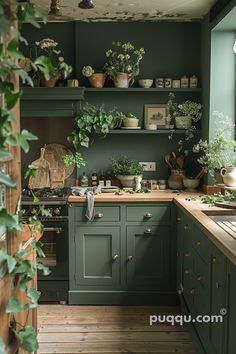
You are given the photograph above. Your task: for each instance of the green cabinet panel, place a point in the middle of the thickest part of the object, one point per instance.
(148, 257)
(102, 214)
(97, 255)
(149, 213)
(231, 308)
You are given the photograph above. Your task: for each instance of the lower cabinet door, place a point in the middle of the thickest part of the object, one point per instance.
(97, 256)
(149, 258)
(231, 311)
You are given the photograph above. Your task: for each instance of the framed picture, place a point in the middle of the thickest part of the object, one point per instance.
(155, 114)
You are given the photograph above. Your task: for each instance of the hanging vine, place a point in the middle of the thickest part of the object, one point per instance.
(16, 269)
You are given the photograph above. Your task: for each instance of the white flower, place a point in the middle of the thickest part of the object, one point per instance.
(87, 71)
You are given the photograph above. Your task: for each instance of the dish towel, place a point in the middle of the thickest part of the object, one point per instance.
(90, 192)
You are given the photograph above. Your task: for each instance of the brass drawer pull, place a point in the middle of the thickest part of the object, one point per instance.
(98, 215)
(187, 254)
(200, 278)
(219, 285)
(192, 291)
(214, 259)
(186, 227)
(187, 271)
(179, 219)
(148, 232)
(198, 243)
(147, 215)
(130, 258)
(115, 257)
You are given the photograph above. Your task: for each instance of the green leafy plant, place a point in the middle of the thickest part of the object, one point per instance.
(220, 151)
(15, 269)
(124, 58)
(126, 167)
(91, 120)
(218, 197)
(75, 158)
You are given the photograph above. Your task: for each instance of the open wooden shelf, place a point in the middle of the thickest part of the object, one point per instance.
(144, 131)
(140, 89)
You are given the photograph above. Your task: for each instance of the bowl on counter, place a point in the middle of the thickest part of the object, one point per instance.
(145, 83)
(191, 184)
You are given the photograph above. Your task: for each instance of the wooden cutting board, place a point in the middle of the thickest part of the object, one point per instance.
(42, 177)
(53, 154)
(226, 205)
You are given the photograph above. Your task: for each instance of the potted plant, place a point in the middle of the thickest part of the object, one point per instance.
(118, 120)
(219, 152)
(126, 170)
(130, 121)
(123, 63)
(96, 79)
(46, 55)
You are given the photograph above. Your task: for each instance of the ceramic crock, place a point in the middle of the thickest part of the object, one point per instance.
(121, 80)
(229, 176)
(127, 181)
(175, 180)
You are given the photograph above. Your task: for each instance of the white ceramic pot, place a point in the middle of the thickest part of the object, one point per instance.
(183, 122)
(130, 122)
(191, 184)
(127, 181)
(145, 83)
(229, 176)
(121, 80)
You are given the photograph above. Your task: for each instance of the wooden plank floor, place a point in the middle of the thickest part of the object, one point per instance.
(109, 329)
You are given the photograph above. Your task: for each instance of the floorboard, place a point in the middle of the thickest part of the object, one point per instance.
(109, 329)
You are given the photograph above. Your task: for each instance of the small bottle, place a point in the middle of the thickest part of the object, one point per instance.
(84, 180)
(108, 179)
(102, 179)
(94, 179)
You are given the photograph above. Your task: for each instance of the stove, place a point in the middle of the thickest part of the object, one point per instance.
(55, 239)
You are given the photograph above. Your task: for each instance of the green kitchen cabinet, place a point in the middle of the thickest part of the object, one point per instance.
(148, 257)
(126, 255)
(97, 261)
(231, 309)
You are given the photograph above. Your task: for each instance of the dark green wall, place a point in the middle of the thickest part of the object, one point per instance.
(172, 49)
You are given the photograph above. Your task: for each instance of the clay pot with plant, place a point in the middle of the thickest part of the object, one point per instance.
(126, 170)
(96, 79)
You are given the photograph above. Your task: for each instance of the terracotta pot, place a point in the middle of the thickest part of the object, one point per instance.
(97, 80)
(47, 83)
(229, 176)
(175, 180)
(121, 80)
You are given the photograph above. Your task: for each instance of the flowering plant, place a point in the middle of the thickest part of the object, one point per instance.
(46, 55)
(87, 71)
(221, 150)
(123, 58)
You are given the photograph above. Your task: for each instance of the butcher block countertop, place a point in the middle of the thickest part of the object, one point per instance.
(190, 203)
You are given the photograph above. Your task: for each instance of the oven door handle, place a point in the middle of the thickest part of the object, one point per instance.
(58, 230)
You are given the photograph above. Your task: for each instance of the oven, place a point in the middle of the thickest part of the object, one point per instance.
(53, 287)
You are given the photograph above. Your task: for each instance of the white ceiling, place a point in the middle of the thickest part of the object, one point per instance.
(133, 10)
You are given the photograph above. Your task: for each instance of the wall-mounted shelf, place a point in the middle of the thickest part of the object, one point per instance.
(139, 89)
(144, 131)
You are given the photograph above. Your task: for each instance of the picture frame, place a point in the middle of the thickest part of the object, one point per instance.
(156, 114)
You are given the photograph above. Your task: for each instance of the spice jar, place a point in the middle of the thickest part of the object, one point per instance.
(175, 180)
(168, 83)
(193, 81)
(159, 82)
(184, 81)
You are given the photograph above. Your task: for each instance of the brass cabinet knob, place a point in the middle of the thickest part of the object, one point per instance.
(198, 243)
(179, 219)
(200, 278)
(186, 227)
(147, 215)
(214, 259)
(187, 271)
(219, 285)
(98, 215)
(192, 291)
(115, 257)
(130, 258)
(57, 211)
(187, 254)
(147, 231)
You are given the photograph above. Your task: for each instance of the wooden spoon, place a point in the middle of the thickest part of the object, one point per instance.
(180, 161)
(167, 160)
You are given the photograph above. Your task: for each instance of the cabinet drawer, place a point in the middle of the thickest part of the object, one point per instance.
(149, 213)
(201, 271)
(102, 213)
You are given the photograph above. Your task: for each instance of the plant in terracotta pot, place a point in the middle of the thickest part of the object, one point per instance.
(96, 79)
(123, 63)
(47, 56)
(219, 152)
(126, 170)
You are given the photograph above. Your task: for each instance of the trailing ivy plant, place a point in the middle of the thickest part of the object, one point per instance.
(16, 268)
(90, 120)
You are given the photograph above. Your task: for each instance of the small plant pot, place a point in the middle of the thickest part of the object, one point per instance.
(127, 181)
(97, 80)
(130, 122)
(183, 122)
(47, 83)
(191, 184)
(121, 80)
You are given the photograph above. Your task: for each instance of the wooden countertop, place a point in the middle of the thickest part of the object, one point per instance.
(194, 208)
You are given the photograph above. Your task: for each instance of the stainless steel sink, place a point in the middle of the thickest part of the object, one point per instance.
(226, 220)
